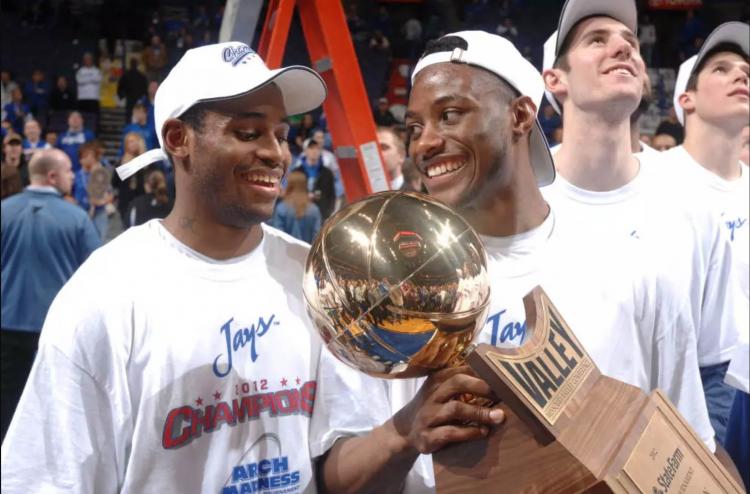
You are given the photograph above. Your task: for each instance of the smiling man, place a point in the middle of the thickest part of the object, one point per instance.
(614, 211)
(712, 101)
(179, 357)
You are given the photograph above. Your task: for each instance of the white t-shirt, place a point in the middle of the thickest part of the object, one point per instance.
(89, 81)
(605, 304)
(161, 370)
(729, 201)
(682, 244)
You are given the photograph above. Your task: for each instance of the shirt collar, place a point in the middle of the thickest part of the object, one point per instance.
(44, 189)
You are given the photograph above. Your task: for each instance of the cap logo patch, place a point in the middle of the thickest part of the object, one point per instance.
(237, 54)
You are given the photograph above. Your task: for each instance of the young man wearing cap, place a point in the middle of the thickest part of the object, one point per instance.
(712, 101)
(609, 199)
(179, 357)
(476, 140)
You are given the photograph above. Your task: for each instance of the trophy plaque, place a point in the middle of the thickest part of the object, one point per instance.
(570, 429)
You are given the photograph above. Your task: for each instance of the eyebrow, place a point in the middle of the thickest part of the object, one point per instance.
(440, 101)
(249, 114)
(625, 33)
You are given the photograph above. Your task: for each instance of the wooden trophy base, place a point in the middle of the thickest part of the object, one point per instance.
(588, 433)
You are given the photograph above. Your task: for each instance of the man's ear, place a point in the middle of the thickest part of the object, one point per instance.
(555, 83)
(523, 116)
(176, 138)
(687, 101)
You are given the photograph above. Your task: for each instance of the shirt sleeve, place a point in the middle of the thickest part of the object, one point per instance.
(347, 403)
(61, 436)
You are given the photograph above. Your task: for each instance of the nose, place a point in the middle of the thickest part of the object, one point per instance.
(621, 48)
(741, 75)
(270, 151)
(429, 143)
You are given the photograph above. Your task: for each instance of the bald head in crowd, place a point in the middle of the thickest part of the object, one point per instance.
(51, 168)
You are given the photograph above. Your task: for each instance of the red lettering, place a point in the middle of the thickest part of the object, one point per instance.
(287, 401)
(223, 414)
(307, 397)
(172, 425)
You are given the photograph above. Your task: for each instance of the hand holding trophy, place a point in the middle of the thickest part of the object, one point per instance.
(397, 286)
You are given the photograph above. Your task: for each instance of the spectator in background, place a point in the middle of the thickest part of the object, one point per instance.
(37, 93)
(13, 156)
(33, 138)
(155, 203)
(393, 151)
(296, 214)
(62, 97)
(6, 87)
(304, 131)
(90, 155)
(320, 184)
(412, 32)
(330, 162)
(10, 181)
(508, 30)
(134, 186)
(132, 86)
(382, 114)
(16, 111)
(647, 39)
(671, 126)
(148, 102)
(549, 120)
(51, 138)
(44, 240)
(155, 59)
(70, 141)
(140, 125)
(89, 81)
(636, 144)
(662, 142)
(557, 137)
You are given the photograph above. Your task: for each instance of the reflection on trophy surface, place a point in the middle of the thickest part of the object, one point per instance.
(397, 284)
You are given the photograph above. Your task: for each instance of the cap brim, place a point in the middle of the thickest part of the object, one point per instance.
(302, 88)
(541, 158)
(575, 10)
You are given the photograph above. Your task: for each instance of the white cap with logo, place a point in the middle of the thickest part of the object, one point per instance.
(224, 71)
(498, 55)
(573, 12)
(736, 33)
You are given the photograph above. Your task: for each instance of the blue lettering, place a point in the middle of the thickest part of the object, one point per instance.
(280, 464)
(264, 467)
(232, 489)
(735, 225)
(510, 331)
(241, 338)
(239, 473)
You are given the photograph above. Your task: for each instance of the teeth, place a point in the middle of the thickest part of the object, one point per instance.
(267, 179)
(443, 168)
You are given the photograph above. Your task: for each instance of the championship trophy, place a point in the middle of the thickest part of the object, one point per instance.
(397, 286)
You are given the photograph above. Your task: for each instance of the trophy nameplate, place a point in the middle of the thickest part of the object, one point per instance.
(570, 429)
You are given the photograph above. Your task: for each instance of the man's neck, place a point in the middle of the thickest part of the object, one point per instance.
(512, 208)
(596, 151)
(209, 238)
(635, 136)
(716, 149)
(72, 130)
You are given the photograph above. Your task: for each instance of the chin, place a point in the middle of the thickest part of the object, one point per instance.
(243, 217)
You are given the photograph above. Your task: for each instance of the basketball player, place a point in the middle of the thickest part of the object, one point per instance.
(615, 198)
(179, 357)
(475, 138)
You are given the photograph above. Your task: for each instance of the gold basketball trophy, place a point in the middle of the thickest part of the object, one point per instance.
(397, 286)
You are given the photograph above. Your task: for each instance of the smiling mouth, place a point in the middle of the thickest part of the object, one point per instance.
(260, 179)
(443, 168)
(621, 71)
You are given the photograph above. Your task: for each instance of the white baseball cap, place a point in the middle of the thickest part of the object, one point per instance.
(499, 56)
(737, 33)
(573, 12)
(224, 71)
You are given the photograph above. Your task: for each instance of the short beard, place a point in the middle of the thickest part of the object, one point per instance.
(228, 214)
(473, 199)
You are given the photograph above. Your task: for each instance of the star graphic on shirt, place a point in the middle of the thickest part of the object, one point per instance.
(298, 381)
(199, 402)
(283, 381)
(217, 396)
